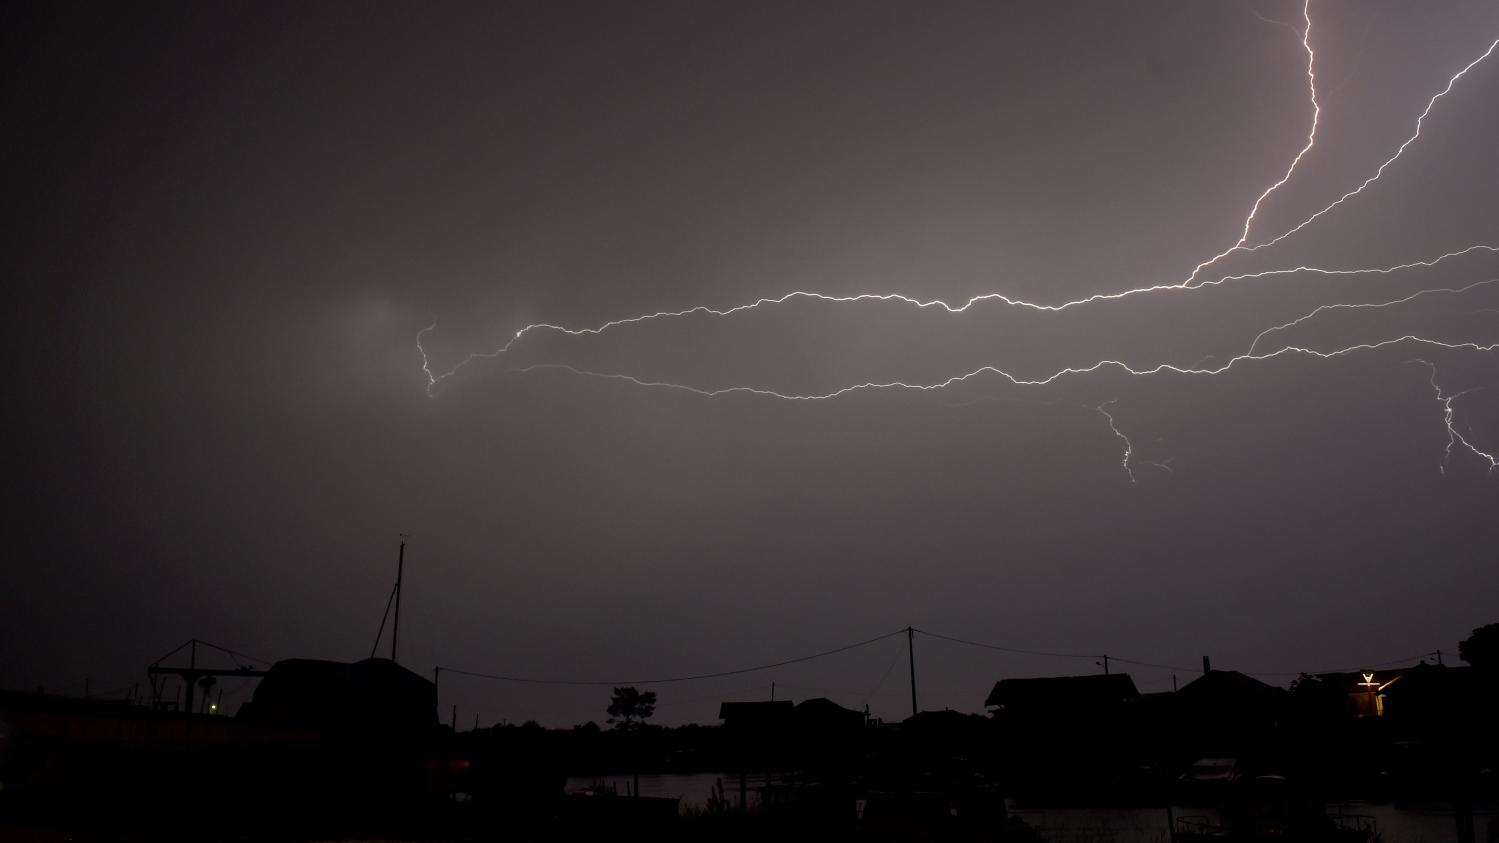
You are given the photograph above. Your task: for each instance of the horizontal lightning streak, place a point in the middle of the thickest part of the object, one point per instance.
(1162, 368)
(432, 379)
(1190, 282)
(704, 310)
(1365, 306)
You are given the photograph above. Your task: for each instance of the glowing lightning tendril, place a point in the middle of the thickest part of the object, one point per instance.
(1161, 368)
(1453, 437)
(1128, 448)
(1191, 282)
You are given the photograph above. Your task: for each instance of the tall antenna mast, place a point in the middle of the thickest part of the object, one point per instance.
(395, 630)
(395, 598)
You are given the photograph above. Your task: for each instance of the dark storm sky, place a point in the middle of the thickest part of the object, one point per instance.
(228, 222)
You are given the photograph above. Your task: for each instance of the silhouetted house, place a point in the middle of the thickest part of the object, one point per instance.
(1224, 712)
(821, 715)
(1062, 733)
(373, 697)
(1423, 691)
(825, 734)
(1227, 690)
(1364, 690)
(759, 737)
(759, 717)
(1433, 701)
(947, 734)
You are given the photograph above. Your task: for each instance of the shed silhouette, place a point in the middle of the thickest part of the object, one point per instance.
(363, 697)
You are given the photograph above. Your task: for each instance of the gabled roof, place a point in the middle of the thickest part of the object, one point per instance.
(1228, 684)
(1062, 693)
(821, 714)
(372, 693)
(822, 707)
(755, 714)
(1353, 682)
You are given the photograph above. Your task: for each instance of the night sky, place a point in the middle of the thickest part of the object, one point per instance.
(228, 223)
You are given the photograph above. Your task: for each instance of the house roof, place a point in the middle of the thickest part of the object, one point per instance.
(1353, 682)
(824, 708)
(372, 693)
(1221, 684)
(1051, 693)
(760, 713)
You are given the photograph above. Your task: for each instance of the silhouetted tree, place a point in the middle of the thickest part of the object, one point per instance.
(1481, 649)
(1315, 698)
(629, 707)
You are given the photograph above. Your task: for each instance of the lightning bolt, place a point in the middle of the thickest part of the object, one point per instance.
(426, 363)
(1398, 152)
(1365, 306)
(432, 379)
(1311, 140)
(1453, 437)
(1191, 282)
(1128, 448)
(1070, 371)
(924, 304)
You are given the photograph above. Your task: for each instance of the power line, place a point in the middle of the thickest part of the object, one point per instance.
(886, 675)
(671, 679)
(1015, 650)
(1019, 651)
(1150, 664)
(212, 646)
(1390, 663)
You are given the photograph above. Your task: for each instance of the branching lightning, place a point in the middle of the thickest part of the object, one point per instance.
(1311, 140)
(703, 310)
(1128, 448)
(1192, 281)
(1365, 306)
(1453, 437)
(1015, 380)
(1398, 152)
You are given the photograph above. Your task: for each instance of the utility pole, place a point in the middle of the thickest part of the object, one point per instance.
(1105, 664)
(192, 678)
(911, 656)
(395, 630)
(772, 692)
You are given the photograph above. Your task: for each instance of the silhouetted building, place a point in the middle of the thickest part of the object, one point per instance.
(1432, 700)
(1229, 690)
(1063, 733)
(1055, 697)
(369, 697)
(763, 716)
(822, 715)
(1224, 712)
